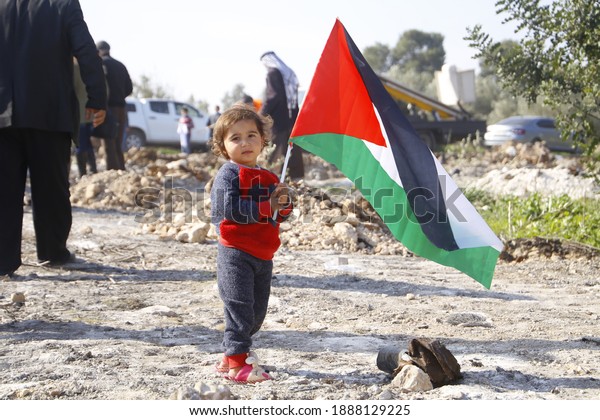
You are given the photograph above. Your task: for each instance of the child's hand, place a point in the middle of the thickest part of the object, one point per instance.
(280, 197)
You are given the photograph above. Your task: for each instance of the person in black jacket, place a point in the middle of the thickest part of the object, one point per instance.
(119, 88)
(38, 119)
(281, 104)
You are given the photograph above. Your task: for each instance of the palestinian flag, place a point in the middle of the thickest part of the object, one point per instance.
(350, 120)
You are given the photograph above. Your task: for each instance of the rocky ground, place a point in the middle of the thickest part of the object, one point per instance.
(141, 317)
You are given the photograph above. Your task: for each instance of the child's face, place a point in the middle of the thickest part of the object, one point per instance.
(243, 143)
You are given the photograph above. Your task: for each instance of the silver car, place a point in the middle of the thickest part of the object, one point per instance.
(526, 129)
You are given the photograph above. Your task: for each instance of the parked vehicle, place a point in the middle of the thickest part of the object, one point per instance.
(526, 129)
(436, 123)
(154, 122)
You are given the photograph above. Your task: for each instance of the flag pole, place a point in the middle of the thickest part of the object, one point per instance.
(285, 164)
(287, 159)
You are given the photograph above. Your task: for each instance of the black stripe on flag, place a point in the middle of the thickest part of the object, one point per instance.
(416, 165)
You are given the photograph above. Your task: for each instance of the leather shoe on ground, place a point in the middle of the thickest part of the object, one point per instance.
(71, 259)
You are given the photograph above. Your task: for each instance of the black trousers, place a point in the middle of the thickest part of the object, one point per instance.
(85, 151)
(46, 155)
(296, 164)
(112, 147)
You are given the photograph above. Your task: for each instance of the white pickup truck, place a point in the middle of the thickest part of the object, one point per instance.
(154, 122)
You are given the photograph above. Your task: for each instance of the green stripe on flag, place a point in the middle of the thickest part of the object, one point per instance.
(354, 159)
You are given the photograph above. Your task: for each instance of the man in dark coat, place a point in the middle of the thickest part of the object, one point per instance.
(119, 87)
(38, 118)
(281, 103)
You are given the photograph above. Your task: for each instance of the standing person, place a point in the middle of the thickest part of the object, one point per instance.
(84, 152)
(249, 100)
(244, 199)
(281, 103)
(184, 128)
(38, 116)
(119, 88)
(212, 120)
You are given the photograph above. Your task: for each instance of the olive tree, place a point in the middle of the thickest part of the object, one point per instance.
(494, 103)
(145, 88)
(412, 61)
(419, 51)
(557, 60)
(378, 56)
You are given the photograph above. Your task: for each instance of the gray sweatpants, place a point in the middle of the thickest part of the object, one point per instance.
(244, 286)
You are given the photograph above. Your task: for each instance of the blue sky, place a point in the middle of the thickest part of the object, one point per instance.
(204, 48)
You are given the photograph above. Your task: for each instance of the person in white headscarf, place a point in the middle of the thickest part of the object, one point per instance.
(281, 104)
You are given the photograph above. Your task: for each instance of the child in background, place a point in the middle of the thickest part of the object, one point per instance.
(184, 129)
(244, 199)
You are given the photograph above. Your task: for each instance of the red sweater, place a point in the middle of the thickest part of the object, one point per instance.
(241, 210)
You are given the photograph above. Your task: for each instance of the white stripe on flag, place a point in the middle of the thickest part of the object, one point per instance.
(468, 227)
(384, 155)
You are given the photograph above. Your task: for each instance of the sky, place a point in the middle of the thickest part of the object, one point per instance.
(205, 48)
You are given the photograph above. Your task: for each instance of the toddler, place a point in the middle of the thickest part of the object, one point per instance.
(244, 200)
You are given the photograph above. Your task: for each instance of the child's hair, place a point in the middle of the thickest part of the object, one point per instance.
(239, 112)
(184, 109)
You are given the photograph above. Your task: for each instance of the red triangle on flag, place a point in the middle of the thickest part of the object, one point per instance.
(338, 101)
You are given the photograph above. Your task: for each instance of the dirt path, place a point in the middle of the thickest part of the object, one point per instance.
(142, 319)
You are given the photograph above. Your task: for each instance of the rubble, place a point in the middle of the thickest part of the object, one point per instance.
(523, 182)
(169, 194)
(203, 391)
(412, 379)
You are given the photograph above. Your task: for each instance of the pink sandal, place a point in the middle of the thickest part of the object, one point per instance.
(222, 367)
(251, 373)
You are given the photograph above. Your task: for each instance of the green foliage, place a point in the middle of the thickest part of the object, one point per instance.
(199, 104)
(379, 57)
(412, 61)
(422, 82)
(145, 88)
(419, 51)
(494, 102)
(170, 151)
(558, 60)
(468, 148)
(559, 217)
(236, 94)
